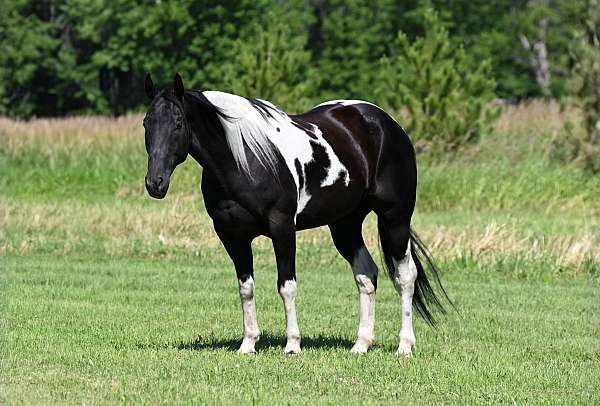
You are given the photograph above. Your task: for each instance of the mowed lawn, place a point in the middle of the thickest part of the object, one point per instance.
(108, 296)
(96, 330)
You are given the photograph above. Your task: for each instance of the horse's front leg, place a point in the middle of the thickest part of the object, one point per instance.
(283, 234)
(240, 251)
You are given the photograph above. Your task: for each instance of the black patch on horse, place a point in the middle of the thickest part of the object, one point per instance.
(316, 170)
(264, 109)
(204, 104)
(305, 127)
(300, 173)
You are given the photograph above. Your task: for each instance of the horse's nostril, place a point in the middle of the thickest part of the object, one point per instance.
(160, 181)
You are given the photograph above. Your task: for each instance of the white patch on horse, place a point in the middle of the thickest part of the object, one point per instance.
(366, 300)
(244, 125)
(292, 331)
(346, 103)
(251, 331)
(263, 132)
(404, 281)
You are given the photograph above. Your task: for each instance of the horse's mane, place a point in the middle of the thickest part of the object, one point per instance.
(245, 122)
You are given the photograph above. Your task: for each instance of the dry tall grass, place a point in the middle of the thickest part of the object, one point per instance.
(57, 134)
(121, 226)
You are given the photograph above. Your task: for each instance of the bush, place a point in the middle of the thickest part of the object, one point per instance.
(444, 103)
(581, 143)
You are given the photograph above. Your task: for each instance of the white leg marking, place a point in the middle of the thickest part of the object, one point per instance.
(404, 281)
(292, 332)
(366, 327)
(251, 331)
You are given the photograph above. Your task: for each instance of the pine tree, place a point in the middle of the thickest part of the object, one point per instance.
(442, 98)
(352, 37)
(582, 145)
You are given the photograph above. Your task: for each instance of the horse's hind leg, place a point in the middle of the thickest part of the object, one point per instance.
(347, 237)
(394, 231)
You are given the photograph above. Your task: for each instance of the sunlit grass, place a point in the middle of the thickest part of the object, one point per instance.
(97, 330)
(109, 296)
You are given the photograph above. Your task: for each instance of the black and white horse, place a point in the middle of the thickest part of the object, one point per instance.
(269, 173)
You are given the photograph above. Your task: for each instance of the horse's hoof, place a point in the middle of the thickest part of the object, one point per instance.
(247, 349)
(359, 349)
(361, 345)
(247, 352)
(292, 350)
(404, 350)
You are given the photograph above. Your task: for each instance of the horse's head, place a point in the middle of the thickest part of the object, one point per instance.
(167, 135)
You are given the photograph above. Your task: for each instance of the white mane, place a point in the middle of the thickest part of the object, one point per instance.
(246, 125)
(267, 130)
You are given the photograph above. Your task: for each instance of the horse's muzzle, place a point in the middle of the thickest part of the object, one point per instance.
(157, 186)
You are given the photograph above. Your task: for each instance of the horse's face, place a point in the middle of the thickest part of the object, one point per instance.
(167, 136)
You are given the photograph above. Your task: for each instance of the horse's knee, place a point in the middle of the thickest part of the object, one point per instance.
(365, 284)
(406, 271)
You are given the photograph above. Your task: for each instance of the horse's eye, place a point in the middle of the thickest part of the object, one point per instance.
(178, 125)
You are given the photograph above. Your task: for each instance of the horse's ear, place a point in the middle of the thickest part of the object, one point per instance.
(149, 86)
(178, 87)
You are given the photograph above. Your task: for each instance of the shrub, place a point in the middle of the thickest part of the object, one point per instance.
(581, 143)
(430, 82)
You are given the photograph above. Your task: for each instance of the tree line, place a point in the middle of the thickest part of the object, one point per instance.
(62, 57)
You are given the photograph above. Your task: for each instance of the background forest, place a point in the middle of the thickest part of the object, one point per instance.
(64, 57)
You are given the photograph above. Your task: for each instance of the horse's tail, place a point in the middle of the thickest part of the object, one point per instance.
(425, 298)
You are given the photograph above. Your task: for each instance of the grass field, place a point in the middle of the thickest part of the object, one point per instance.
(110, 297)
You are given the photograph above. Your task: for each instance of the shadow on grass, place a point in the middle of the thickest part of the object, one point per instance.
(266, 341)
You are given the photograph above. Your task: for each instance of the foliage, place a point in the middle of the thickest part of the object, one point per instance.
(351, 38)
(28, 61)
(582, 145)
(62, 57)
(446, 99)
(273, 65)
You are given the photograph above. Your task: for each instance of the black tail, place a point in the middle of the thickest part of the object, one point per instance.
(424, 298)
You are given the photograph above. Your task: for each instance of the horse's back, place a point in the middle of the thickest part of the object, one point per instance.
(372, 146)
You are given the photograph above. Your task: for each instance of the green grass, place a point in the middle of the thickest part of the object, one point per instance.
(95, 330)
(111, 297)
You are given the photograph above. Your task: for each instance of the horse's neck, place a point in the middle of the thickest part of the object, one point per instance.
(212, 153)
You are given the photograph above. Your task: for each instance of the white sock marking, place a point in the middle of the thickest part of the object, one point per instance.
(404, 281)
(366, 327)
(251, 331)
(292, 331)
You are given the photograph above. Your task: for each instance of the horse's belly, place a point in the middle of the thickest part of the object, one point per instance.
(329, 204)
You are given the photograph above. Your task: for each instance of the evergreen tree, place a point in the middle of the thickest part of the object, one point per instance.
(28, 61)
(443, 100)
(353, 37)
(273, 65)
(582, 143)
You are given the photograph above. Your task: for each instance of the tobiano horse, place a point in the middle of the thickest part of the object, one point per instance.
(269, 173)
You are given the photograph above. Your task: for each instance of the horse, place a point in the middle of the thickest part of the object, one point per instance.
(265, 172)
